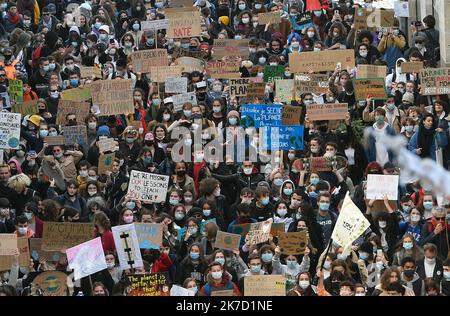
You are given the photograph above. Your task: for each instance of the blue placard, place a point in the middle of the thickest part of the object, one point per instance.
(282, 138)
(260, 115)
(145, 233)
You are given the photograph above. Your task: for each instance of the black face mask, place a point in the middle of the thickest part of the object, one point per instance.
(409, 273)
(181, 173)
(149, 143)
(196, 116)
(72, 122)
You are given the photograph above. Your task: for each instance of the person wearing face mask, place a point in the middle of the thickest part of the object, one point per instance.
(292, 268)
(286, 191)
(407, 248)
(218, 279)
(303, 286)
(337, 36)
(261, 209)
(129, 145)
(410, 277)
(435, 231)
(64, 160)
(193, 264)
(22, 227)
(391, 45)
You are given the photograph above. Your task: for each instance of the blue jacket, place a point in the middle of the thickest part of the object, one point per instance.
(371, 150)
(440, 138)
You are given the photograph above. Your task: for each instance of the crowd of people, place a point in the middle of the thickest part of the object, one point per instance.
(46, 43)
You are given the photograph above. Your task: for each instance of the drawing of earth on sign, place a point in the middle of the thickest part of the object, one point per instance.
(108, 161)
(13, 142)
(266, 227)
(296, 142)
(248, 121)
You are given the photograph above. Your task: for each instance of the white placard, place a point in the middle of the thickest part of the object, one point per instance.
(9, 130)
(378, 185)
(127, 246)
(401, 9)
(175, 85)
(180, 99)
(86, 258)
(180, 291)
(155, 25)
(147, 187)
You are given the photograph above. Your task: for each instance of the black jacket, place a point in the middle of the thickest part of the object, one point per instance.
(437, 273)
(187, 269)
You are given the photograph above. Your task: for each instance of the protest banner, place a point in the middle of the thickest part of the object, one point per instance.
(380, 185)
(261, 285)
(147, 187)
(321, 61)
(435, 81)
(189, 64)
(227, 241)
(105, 145)
(149, 235)
(175, 85)
(113, 96)
(256, 90)
(187, 4)
(180, 99)
(221, 69)
(8, 244)
(80, 109)
(6, 261)
(154, 284)
(127, 246)
(143, 60)
(9, 130)
(26, 108)
(290, 115)
(373, 19)
(238, 87)
(311, 83)
(15, 90)
(75, 135)
(350, 224)
(58, 236)
(293, 243)
(373, 88)
(260, 115)
(52, 283)
(55, 140)
(259, 232)
(230, 48)
(78, 94)
(105, 162)
(90, 72)
(155, 25)
(371, 71)
(327, 111)
(177, 290)
(37, 251)
(86, 258)
(269, 17)
(284, 90)
(412, 67)
(318, 164)
(271, 73)
(282, 137)
(160, 73)
(183, 24)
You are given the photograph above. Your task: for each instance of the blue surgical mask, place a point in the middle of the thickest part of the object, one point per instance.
(282, 212)
(173, 201)
(267, 257)
(255, 269)
(184, 45)
(380, 265)
(292, 264)
(242, 6)
(194, 255)
(287, 191)
(73, 82)
(206, 213)
(150, 41)
(179, 216)
(97, 25)
(324, 206)
(28, 215)
(278, 181)
(147, 160)
(232, 120)
(194, 289)
(379, 119)
(407, 245)
(216, 275)
(129, 140)
(447, 275)
(363, 255)
(220, 260)
(341, 256)
(406, 208)
(156, 102)
(136, 27)
(314, 181)
(103, 37)
(187, 113)
(130, 205)
(193, 230)
(428, 205)
(313, 194)
(51, 66)
(43, 133)
(265, 201)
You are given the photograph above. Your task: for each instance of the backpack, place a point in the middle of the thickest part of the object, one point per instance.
(432, 45)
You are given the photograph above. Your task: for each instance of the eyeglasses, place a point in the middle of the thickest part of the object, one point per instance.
(440, 218)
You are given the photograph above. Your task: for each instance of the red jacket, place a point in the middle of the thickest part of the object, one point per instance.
(162, 264)
(107, 240)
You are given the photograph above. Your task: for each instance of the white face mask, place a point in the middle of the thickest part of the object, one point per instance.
(245, 20)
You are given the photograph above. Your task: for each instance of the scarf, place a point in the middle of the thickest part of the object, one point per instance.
(425, 140)
(14, 19)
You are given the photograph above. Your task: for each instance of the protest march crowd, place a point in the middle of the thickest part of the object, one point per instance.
(218, 148)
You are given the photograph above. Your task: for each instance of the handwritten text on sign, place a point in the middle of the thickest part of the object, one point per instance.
(370, 88)
(435, 81)
(311, 83)
(329, 111)
(148, 187)
(379, 185)
(9, 130)
(184, 24)
(143, 60)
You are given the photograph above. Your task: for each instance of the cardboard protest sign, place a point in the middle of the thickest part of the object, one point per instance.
(8, 244)
(321, 61)
(259, 232)
(311, 83)
(412, 67)
(80, 109)
(277, 228)
(351, 223)
(230, 48)
(284, 90)
(222, 69)
(149, 235)
(373, 19)
(37, 251)
(435, 81)
(77, 94)
(227, 241)
(87, 258)
(293, 243)
(290, 115)
(127, 246)
(177, 290)
(256, 90)
(160, 73)
(25, 108)
(143, 60)
(272, 73)
(58, 236)
(55, 140)
(370, 88)
(225, 293)
(147, 187)
(6, 261)
(105, 145)
(9, 130)
(379, 185)
(282, 137)
(75, 135)
(238, 87)
(189, 64)
(175, 85)
(155, 284)
(260, 115)
(269, 17)
(155, 25)
(15, 90)
(327, 111)
(105, 162)
(183, 24)
(180, 99)
(187, 4)
(261, 285)
(371, 71)
(91, 72)
(113, 96)
(53, 283)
